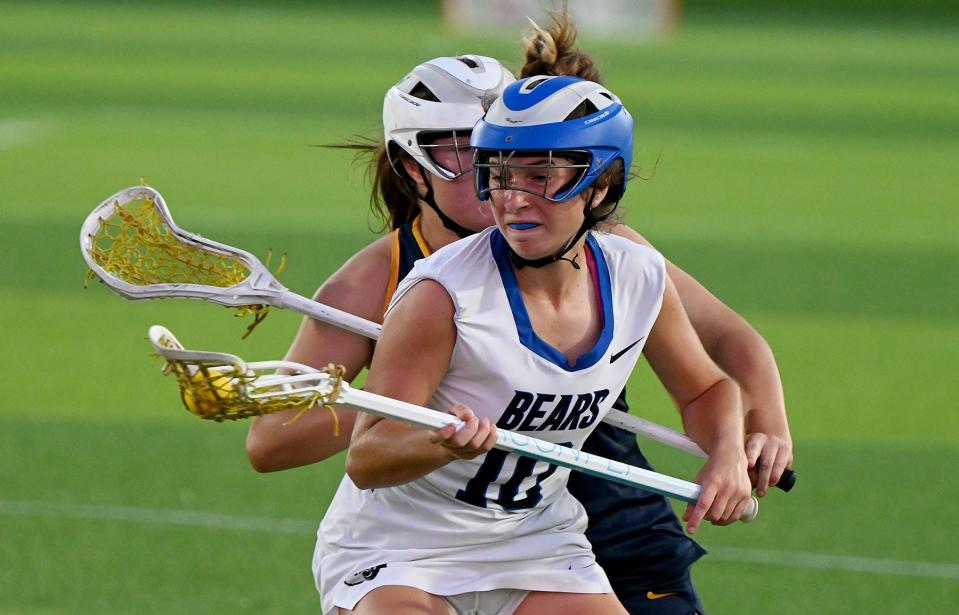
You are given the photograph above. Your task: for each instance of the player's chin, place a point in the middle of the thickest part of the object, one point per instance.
(526, 249)
(531, 249)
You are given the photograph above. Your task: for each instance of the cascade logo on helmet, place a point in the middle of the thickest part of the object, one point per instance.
(604, 115)
(409, 100)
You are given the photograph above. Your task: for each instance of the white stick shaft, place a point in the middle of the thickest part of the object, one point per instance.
(653, 431)
(541, 450)
(329, 315)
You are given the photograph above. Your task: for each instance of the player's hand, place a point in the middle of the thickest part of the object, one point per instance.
(725, 491)
(475, 437)
(767, 456)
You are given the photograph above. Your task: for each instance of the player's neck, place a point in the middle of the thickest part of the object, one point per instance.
(557, 281)
(435, 233)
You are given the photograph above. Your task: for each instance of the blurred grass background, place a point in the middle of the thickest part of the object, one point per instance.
(803, 167)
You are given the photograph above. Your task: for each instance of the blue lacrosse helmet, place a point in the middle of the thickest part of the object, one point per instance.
(562, 116)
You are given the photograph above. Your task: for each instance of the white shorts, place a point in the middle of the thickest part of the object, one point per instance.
(462, 580)
(399, 536)
(492, 602)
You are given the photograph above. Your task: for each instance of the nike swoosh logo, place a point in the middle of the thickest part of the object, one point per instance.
(616, 356)
(655, 596)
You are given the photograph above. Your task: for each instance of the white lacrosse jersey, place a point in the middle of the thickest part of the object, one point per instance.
(500, 520)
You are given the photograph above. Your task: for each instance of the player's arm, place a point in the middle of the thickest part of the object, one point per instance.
(358, 287)
(743, 354)
(710, 405)
(411, 358)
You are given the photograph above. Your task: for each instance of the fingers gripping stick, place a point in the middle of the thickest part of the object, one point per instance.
(132, 244)
(222, 386)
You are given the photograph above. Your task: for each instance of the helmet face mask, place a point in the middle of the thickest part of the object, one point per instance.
(448, 151)
(553, 176)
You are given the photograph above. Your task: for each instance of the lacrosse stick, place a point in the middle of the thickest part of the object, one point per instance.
(219, 386)
(132, 244)
(654, 431)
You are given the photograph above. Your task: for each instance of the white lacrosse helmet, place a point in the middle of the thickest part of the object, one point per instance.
(439, 98)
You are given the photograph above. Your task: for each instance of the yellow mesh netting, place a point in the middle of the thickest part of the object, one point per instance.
(336, 372)
(136, 245)
(221, 393)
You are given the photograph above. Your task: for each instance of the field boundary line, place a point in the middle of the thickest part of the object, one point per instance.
(157, 516)
(275, 525)
(825, 561)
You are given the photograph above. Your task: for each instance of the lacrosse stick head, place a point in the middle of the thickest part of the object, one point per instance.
(222, 387)
(132, 244)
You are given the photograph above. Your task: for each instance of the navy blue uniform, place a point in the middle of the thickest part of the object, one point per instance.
(407, 246)
(636, 537)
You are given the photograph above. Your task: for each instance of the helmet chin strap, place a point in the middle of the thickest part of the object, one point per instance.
(589, 221)
(461, 231)
(536, 263)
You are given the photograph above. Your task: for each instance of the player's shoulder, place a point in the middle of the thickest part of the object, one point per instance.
(626, 249)
(359, 285)
(426, 296)
(460, 257)
(457, 267)
(373, 261)
(463, 248)
(637, 270)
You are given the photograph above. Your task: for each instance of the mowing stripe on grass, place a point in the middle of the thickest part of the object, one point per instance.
(14, 133)
(274, 525)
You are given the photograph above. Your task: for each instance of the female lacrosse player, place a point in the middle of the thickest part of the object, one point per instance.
(635, 535)
(532, 324)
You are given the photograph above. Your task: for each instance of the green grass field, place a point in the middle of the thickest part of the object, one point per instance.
(804, 170)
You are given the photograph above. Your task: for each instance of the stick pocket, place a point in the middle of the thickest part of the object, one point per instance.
(222, 387)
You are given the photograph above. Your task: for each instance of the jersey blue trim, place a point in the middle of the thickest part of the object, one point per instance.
(524, 329)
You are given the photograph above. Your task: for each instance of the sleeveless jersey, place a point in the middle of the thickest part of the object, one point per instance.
(635, 534)
(500, 520)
